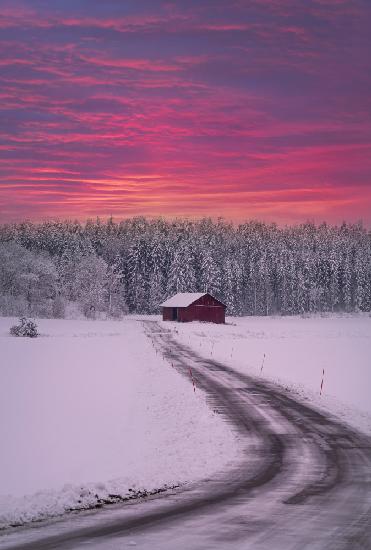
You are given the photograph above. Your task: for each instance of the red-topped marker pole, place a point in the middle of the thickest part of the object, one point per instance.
(193, 381)
(323, 376)
(261, 369)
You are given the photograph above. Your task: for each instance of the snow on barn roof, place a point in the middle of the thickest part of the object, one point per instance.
(183, 299)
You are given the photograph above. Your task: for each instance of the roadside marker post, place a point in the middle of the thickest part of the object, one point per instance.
(193, 382)
(261, 368)
(323, 376)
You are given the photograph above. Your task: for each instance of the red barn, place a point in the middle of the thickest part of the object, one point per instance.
(193, 306)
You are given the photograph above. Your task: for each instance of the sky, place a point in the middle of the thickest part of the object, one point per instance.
(235, 108)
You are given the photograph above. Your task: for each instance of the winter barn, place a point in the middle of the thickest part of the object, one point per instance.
(193, 306)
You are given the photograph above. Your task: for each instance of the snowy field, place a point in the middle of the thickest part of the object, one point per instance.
(89, 410)
(293, 352)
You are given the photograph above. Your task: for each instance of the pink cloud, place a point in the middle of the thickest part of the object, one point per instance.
(185, 112)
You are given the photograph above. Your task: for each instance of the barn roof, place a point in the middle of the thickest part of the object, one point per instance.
(183, 299)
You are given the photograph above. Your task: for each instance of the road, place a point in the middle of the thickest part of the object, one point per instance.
(302, 480)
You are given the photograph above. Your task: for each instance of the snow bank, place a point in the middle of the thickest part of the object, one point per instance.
(89, 410)
(294, 351)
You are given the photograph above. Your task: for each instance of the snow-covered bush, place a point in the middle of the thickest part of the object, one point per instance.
(26, 327)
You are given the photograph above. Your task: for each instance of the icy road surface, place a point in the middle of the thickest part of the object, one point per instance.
(303, 481)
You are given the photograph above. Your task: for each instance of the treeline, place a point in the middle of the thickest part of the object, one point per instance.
(109, 268)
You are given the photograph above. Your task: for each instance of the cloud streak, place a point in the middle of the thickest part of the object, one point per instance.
(171, 108)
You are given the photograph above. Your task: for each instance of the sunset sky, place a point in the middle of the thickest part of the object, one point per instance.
(234, 108)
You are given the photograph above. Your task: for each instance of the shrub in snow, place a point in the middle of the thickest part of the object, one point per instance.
(26, 327)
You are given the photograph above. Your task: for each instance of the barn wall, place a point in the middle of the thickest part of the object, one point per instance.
(208, 300)
(167, 313)
(211, 314)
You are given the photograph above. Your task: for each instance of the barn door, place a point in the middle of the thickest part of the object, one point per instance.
(175, 314)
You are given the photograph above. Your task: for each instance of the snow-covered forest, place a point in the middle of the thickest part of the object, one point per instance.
(108, 268)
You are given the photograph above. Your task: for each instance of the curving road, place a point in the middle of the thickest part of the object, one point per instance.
(302, 481)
